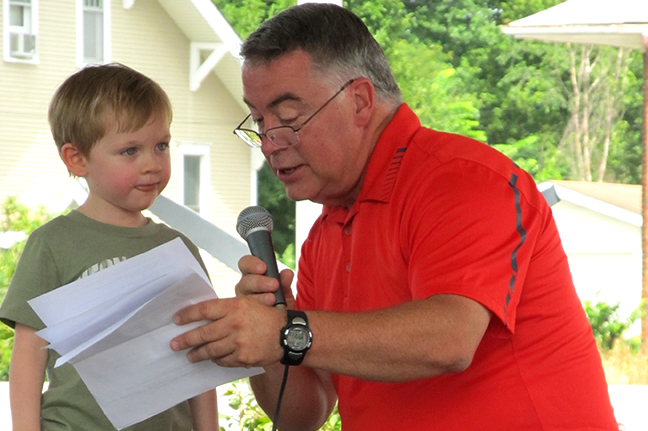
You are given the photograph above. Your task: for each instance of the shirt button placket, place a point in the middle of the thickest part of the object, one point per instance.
(347, 233)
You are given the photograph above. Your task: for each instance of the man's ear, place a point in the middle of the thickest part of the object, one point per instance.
(74, 160)
(364, 94)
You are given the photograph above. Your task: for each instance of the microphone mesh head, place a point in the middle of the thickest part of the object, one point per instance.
(251, 218)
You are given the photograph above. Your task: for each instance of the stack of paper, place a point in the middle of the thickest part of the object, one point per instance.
(115, 326)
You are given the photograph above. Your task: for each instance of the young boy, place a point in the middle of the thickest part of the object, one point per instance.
(111, 126)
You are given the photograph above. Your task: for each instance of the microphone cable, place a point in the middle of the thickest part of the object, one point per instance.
(280, 397)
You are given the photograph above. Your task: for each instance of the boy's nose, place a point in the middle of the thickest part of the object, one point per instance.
(152, 163)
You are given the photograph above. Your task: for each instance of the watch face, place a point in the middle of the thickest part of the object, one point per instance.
(297, 338)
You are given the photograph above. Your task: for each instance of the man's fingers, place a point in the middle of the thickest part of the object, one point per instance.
(213, 351)
(213, 310)
(206, 310)
(196, 337)
(251, 265)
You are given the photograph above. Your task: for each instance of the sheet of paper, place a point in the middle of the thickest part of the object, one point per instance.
(134, 374)
(115, 326)
(113, 282)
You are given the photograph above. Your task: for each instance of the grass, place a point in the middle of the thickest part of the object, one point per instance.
(625, 366)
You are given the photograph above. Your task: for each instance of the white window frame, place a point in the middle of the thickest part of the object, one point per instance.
(202, 150)
(107, 34)
(9, 30)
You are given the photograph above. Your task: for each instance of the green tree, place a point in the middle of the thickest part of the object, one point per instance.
(624, 163)
(14, 217)
(524, 88)
(517, 96)
(245, 414)
(245, 16)
(425, 74)
(607, 325)
(272, 196)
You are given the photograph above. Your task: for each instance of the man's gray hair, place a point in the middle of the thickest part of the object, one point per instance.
(336, 40)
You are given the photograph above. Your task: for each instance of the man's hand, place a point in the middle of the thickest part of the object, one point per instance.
(254, 284)
(241, 331)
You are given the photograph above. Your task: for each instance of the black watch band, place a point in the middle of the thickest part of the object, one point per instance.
(295, 338)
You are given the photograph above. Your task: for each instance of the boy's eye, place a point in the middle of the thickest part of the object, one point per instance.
(163, 146)
(129, 151)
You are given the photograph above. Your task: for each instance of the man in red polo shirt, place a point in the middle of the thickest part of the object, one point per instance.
(433, 291)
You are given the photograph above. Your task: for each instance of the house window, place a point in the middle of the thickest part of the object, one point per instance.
(93, 31)
(194, 175)
(20, 28)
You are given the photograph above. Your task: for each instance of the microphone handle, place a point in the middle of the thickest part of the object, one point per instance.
(260, 243)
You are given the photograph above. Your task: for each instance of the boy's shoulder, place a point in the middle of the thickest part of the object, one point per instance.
(54, 226)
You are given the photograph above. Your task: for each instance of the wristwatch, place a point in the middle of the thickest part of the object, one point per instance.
(295, 338)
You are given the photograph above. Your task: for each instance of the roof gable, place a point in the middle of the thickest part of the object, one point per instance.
(215, 45)
(620, 201)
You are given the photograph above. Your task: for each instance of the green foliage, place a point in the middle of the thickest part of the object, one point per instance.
(624, 163)
(243, 412)
(14, 217)
(523, 87)
(6, 347)
(288, 257)
(607, 325)
(429, 79)
(246, 15)
(272, 196)
(546, 165)
(424, 73)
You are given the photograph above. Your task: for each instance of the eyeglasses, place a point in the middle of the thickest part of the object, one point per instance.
(282, 136)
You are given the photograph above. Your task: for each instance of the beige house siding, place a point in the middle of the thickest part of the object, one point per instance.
(146, 38)
(29, 163)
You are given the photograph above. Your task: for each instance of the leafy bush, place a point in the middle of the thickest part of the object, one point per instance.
(243, 413)
(607, 325)
(14, 217)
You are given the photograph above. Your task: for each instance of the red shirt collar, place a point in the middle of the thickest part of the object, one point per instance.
(382, 168)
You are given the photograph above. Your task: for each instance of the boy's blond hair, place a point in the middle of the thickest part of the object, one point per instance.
(102, 96)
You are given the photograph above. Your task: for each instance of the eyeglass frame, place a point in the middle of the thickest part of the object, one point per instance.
(241, 132)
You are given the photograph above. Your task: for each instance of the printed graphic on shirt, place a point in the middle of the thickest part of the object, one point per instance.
(102, 265)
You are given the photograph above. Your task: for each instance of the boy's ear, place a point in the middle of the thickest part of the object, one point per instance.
(73, 159)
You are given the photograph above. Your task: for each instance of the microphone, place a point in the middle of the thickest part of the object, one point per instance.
(255, 224)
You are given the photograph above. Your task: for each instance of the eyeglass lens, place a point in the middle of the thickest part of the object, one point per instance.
(283, 136)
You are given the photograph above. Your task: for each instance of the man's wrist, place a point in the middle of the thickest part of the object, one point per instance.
(295, 338)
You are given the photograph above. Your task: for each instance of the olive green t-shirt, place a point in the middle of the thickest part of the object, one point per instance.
(57, 253)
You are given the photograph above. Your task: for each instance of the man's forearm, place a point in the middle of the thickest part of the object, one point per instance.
(307, 401)
(410, 341)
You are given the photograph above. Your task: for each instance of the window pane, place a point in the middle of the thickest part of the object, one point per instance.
(22, 45)
(20, 16)
(192, 182)
(16, 16)
(93, 36)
